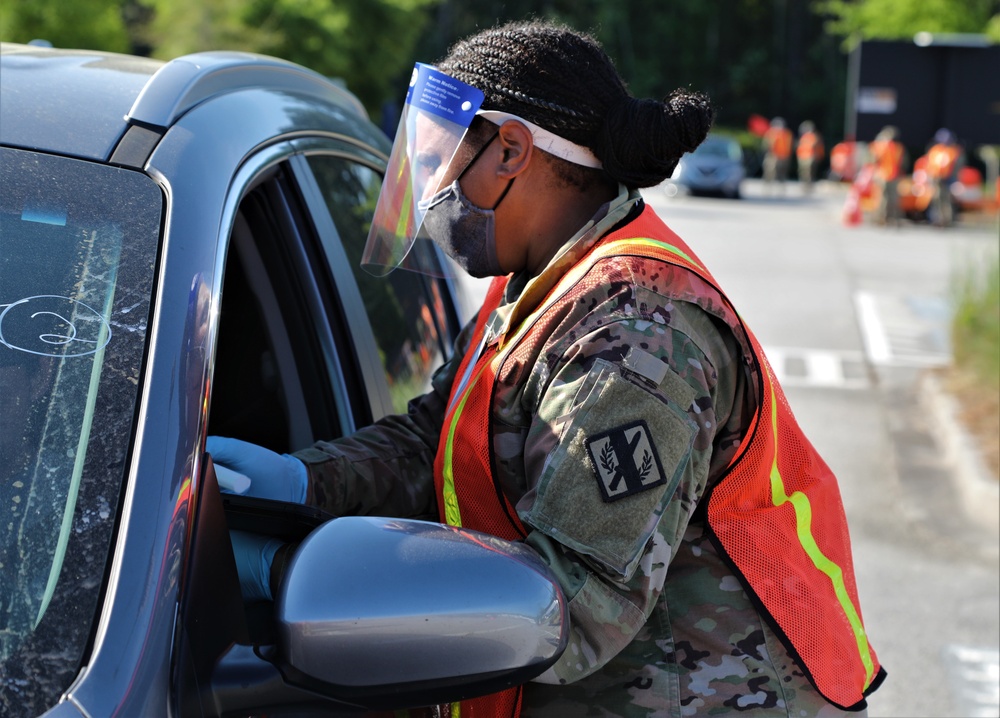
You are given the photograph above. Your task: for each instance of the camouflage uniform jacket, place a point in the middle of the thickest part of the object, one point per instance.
(659, 624)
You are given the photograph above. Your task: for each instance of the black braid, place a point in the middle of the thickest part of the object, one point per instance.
(563, 81)
(537, 102)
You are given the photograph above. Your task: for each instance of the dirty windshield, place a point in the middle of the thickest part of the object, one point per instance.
(77, 252)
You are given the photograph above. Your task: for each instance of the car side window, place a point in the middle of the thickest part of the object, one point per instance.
(410, 313)
(274, 379)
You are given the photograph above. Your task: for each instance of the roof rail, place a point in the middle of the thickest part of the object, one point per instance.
(186, 81)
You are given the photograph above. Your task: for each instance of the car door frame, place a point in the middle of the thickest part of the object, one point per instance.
(338, 266)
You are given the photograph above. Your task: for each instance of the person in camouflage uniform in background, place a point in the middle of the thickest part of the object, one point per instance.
(660, 625)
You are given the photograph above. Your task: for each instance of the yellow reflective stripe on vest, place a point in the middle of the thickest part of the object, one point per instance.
(669, 247)
(576, 272)
(803, 528)
(611, 248)
(451, 512)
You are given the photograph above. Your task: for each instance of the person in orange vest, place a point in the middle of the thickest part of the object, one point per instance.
(777, 152)
(846, 160)
(608, 407)
(888, 155)
(809, 152)
(944, 160)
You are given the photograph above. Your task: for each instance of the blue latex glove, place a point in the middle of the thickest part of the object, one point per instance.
(254, 554)
(272, 476)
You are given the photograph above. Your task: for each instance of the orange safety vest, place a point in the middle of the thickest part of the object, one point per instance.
(780, 142)
(468, 454)
(776, 514)
(888, 156)
(941, 161)
(810, 147)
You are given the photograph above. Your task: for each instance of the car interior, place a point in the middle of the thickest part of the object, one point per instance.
(266, 389)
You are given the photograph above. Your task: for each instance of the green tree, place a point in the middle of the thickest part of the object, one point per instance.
(85, 24)
(902, 19)
(179, 27)
(367, 43)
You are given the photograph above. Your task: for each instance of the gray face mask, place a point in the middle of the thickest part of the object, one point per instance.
(465, 232)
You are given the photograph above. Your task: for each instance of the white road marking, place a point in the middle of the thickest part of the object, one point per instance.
(975, 678)
(818, 367)
(872, 332)
(903, 330)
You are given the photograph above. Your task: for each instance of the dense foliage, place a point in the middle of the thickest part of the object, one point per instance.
(902, 19)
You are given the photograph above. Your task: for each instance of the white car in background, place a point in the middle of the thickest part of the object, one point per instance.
(716, 167)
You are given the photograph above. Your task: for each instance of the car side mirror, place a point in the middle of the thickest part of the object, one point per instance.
(388, 613)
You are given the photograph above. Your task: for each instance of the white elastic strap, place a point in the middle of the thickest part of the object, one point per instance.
(545, 140)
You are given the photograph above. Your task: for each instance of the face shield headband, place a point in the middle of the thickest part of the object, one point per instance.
(436, 116)
(547, 141)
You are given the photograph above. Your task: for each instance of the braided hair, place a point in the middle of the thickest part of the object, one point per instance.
(562, 80)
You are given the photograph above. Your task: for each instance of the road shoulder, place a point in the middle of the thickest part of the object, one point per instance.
(977, 489)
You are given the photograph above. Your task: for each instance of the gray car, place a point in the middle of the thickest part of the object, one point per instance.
(179, 250)
(715, 167)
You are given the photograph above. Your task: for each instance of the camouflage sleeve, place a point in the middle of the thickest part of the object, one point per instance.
(617, 458)
(386, 468)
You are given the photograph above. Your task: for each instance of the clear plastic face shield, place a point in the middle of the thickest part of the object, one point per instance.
(438, 112)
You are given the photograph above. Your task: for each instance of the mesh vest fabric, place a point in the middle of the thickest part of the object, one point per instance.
(468, 457)
(776, 515)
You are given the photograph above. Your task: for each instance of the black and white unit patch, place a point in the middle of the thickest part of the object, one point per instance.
(625, 461)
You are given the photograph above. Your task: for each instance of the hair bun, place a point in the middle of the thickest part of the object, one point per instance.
(693, 115)
(642, 140)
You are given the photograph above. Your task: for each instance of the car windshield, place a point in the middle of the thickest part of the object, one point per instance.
(78, 246)
(720, 148)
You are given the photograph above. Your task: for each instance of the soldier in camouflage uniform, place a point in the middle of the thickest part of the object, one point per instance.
(660, 625)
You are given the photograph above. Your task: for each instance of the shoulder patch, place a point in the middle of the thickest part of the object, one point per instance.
(625, 461)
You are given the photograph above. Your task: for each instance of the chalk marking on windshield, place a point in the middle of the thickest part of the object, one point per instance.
(47, 339)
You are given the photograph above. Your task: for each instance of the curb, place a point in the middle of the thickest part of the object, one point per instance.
(978, 491)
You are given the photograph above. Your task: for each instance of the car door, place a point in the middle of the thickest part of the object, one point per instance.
(309, 347)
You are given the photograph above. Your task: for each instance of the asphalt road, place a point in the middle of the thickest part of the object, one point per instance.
(854, 320)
